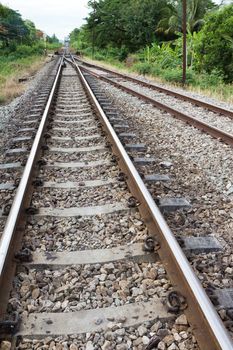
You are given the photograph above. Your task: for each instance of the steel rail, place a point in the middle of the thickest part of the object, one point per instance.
(211, 130)
(207, 325)
(18, 204)
(206, 105)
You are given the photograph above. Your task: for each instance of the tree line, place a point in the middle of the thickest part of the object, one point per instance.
(14, 31)
(152, 29)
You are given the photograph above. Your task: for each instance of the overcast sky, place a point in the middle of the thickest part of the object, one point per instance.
(54, 16)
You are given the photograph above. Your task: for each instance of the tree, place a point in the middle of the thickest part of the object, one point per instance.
(31, 30)
(142, 17)
(80, 38)
(52, 39)
(215, 43)
(196, 9)
(74, 35)
(128, 23)
(105, 23)
(12, 27)
(39, 34)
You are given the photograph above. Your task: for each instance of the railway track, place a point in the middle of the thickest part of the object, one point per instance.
(210, 118)
(84, 235)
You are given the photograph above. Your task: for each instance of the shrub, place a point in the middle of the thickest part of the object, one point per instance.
(214, 43)
(25, 50)
(175, 75)
(123, 54)
(131, 60)
(143, 68)
(215, 78)
(86, 52)
(166, 56)
(156, 70)
(99, 56)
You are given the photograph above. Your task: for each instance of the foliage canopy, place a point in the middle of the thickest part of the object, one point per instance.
(215, 43)
(152, 29)
(15, 31)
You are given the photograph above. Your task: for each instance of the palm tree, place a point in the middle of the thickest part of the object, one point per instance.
(172, 22)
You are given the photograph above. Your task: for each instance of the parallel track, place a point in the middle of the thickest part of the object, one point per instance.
(195, 101)
(201, 125)
(207, 325)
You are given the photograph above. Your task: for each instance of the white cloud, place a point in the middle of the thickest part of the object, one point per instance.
(52, 16)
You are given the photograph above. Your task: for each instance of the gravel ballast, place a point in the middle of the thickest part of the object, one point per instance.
(20, 106)
(46, 288)
(200, 168)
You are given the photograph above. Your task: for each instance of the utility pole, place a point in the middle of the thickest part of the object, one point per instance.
(184, 41)
(93, 43)
(45, 42)
(93, 32)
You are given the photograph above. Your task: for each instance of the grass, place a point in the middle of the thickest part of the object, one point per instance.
(205, 84)
(13, 69)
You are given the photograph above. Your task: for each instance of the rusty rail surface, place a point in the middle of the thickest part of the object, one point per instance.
(209, 106)
(207, 325)
(211, 130)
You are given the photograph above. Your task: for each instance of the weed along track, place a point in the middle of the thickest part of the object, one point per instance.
(87, 260)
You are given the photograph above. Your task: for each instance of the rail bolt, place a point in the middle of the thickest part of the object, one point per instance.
(151, 244)
(133, 202)
(6, 209)
(10, 325)
(41, 162)
(38, 182)
(24, 255)
(31, 210)
(121, 177)
(176, 302)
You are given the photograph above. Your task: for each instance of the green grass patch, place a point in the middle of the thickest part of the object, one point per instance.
(11, 65)
(23, 61)
(11, 69)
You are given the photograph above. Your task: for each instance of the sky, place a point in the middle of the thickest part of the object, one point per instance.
(58, 17)
(52, 16)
